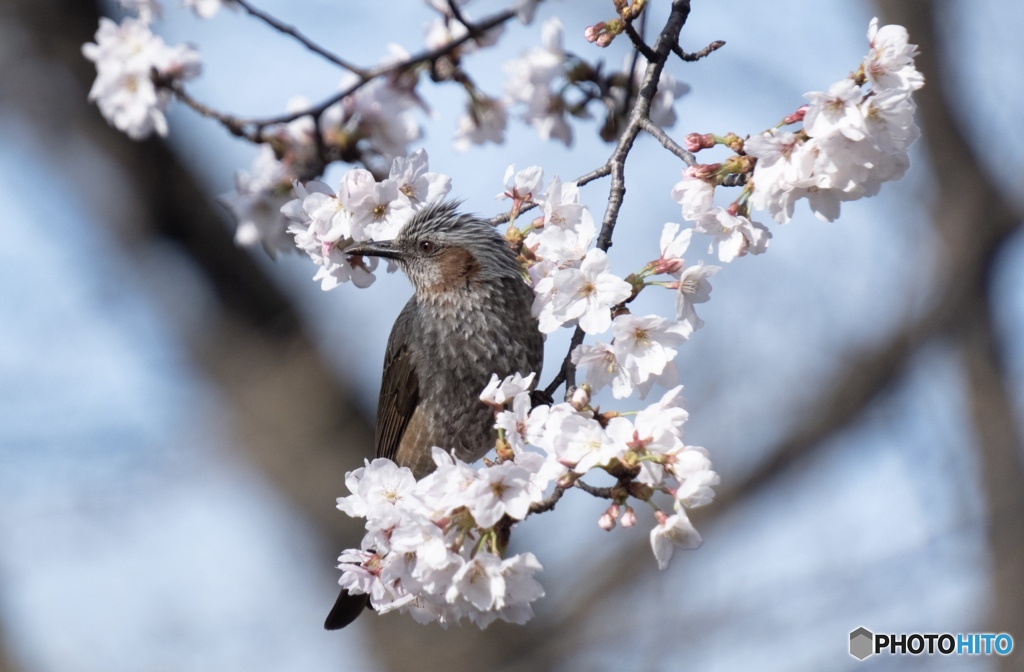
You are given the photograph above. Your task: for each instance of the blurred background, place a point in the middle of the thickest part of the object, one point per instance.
(177, 414)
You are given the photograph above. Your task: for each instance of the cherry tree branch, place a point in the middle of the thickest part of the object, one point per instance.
(697, 55)
(616, 165)
(668, 40)
(549, 502)
(291, 31)
(252, 129)
(638, 41)
(659, 134)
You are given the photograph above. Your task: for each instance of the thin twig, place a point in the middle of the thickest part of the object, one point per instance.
(648, 87)
(697, 55)
(568, 372)
(548, 502)
(667, 142)
(595, 174)
(252, 128)
(638, 42)
(232, 124)
(603, 493)
(293, 32)
(453, 7)
(615, 166)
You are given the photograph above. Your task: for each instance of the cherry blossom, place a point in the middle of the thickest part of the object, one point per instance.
(693, 288)
(588, 293)
(126, 55)
(499, 391)
(672, 531)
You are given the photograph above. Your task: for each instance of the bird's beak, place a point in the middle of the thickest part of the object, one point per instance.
(380, 248)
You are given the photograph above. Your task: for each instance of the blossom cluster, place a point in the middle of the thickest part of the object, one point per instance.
(574, 285)
(325, 221)
(854, 137)
(434, 547)
(437, 547)
(128, 56)
(547, 85)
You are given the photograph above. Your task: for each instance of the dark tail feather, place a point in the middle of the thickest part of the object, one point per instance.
(346, 609)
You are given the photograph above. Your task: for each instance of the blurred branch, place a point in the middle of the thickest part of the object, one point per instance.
(972, 213)
(297, 423)
(6, 664)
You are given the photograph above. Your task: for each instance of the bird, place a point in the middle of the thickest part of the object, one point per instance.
(470, 317)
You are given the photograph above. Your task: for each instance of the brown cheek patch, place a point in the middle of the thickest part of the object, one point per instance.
(459, 268)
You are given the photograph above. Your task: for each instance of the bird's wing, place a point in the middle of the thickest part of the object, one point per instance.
(399, 387)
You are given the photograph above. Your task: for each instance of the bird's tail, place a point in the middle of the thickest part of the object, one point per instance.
(346, 609)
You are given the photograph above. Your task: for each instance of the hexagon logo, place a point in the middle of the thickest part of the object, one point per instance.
(862, 643)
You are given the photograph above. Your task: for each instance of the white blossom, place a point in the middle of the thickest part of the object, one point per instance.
(694, 194)
(205, 9)
(736, 235)
(531, 81)
(890, 62)
(499, 391)
(645, 345)
(126, 55)
(415, 184)
(587, 293)
(672, 531)
(693, 288)
(484, 121)
(256, 204)
(500, 490)
(146, 10)
(837, 111)
(524, 185)
(601, 363)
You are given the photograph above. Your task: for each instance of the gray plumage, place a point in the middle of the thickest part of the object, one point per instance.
(469, 317)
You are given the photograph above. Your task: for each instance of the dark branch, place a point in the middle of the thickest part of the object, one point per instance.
(595, 174)
(603, 493)
(548, 503)
(668, 143)
(293, 32)
(252, 128)
(638, 42)
(697, 55)
(453, 7)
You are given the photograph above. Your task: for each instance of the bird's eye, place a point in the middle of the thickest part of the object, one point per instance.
(426, 246)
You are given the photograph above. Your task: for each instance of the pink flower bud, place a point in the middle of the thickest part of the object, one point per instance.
(580, 397)
(695, 142)
(706, 171)
(628, 518)
(668, 266)
(797, 116)
(605, 39)
(660, 516)
(593, 32)
(606, 522)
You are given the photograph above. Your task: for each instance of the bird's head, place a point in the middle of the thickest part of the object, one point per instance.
(442, 250)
